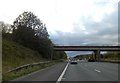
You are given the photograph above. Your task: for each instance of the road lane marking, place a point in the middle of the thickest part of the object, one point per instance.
(61, 76)
(97, 70)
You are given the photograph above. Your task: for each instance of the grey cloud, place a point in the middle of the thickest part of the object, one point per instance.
(101, 33)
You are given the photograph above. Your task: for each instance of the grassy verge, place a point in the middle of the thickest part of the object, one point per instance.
(110, 59)
(14, 55)
(13, 75)
(111, 56)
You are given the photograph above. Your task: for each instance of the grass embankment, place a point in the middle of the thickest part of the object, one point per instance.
(111, 56)
(22, 72)
(15, 55)
(106, 56)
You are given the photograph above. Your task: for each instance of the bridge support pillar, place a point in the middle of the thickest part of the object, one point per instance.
(94, 54)
(97, 55)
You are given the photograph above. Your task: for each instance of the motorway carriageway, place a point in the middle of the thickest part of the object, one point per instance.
(83, 71)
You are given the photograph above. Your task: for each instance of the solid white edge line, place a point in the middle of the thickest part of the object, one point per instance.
(60, 78)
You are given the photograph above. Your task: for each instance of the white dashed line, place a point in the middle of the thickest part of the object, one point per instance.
(97, 70)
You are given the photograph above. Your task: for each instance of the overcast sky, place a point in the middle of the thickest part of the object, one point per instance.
(70, 22)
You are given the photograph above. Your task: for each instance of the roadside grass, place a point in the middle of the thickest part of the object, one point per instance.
(14, 55)
(25, 71)
(106, 56)
(111, 58)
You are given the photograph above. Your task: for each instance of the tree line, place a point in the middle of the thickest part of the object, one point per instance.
(29, 31)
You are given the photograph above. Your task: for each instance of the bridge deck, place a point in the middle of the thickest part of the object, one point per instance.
(87, 48)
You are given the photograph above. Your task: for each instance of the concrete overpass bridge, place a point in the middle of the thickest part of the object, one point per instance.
(95, 49)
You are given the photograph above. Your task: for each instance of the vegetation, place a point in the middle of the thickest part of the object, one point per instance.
(111, 56)
(105, 56)
(26, 41)
(13, 75)
(28, 31)
(15, 55)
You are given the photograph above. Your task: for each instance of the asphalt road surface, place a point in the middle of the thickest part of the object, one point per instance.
(91, 71)
(83, 71)
(48, 74)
